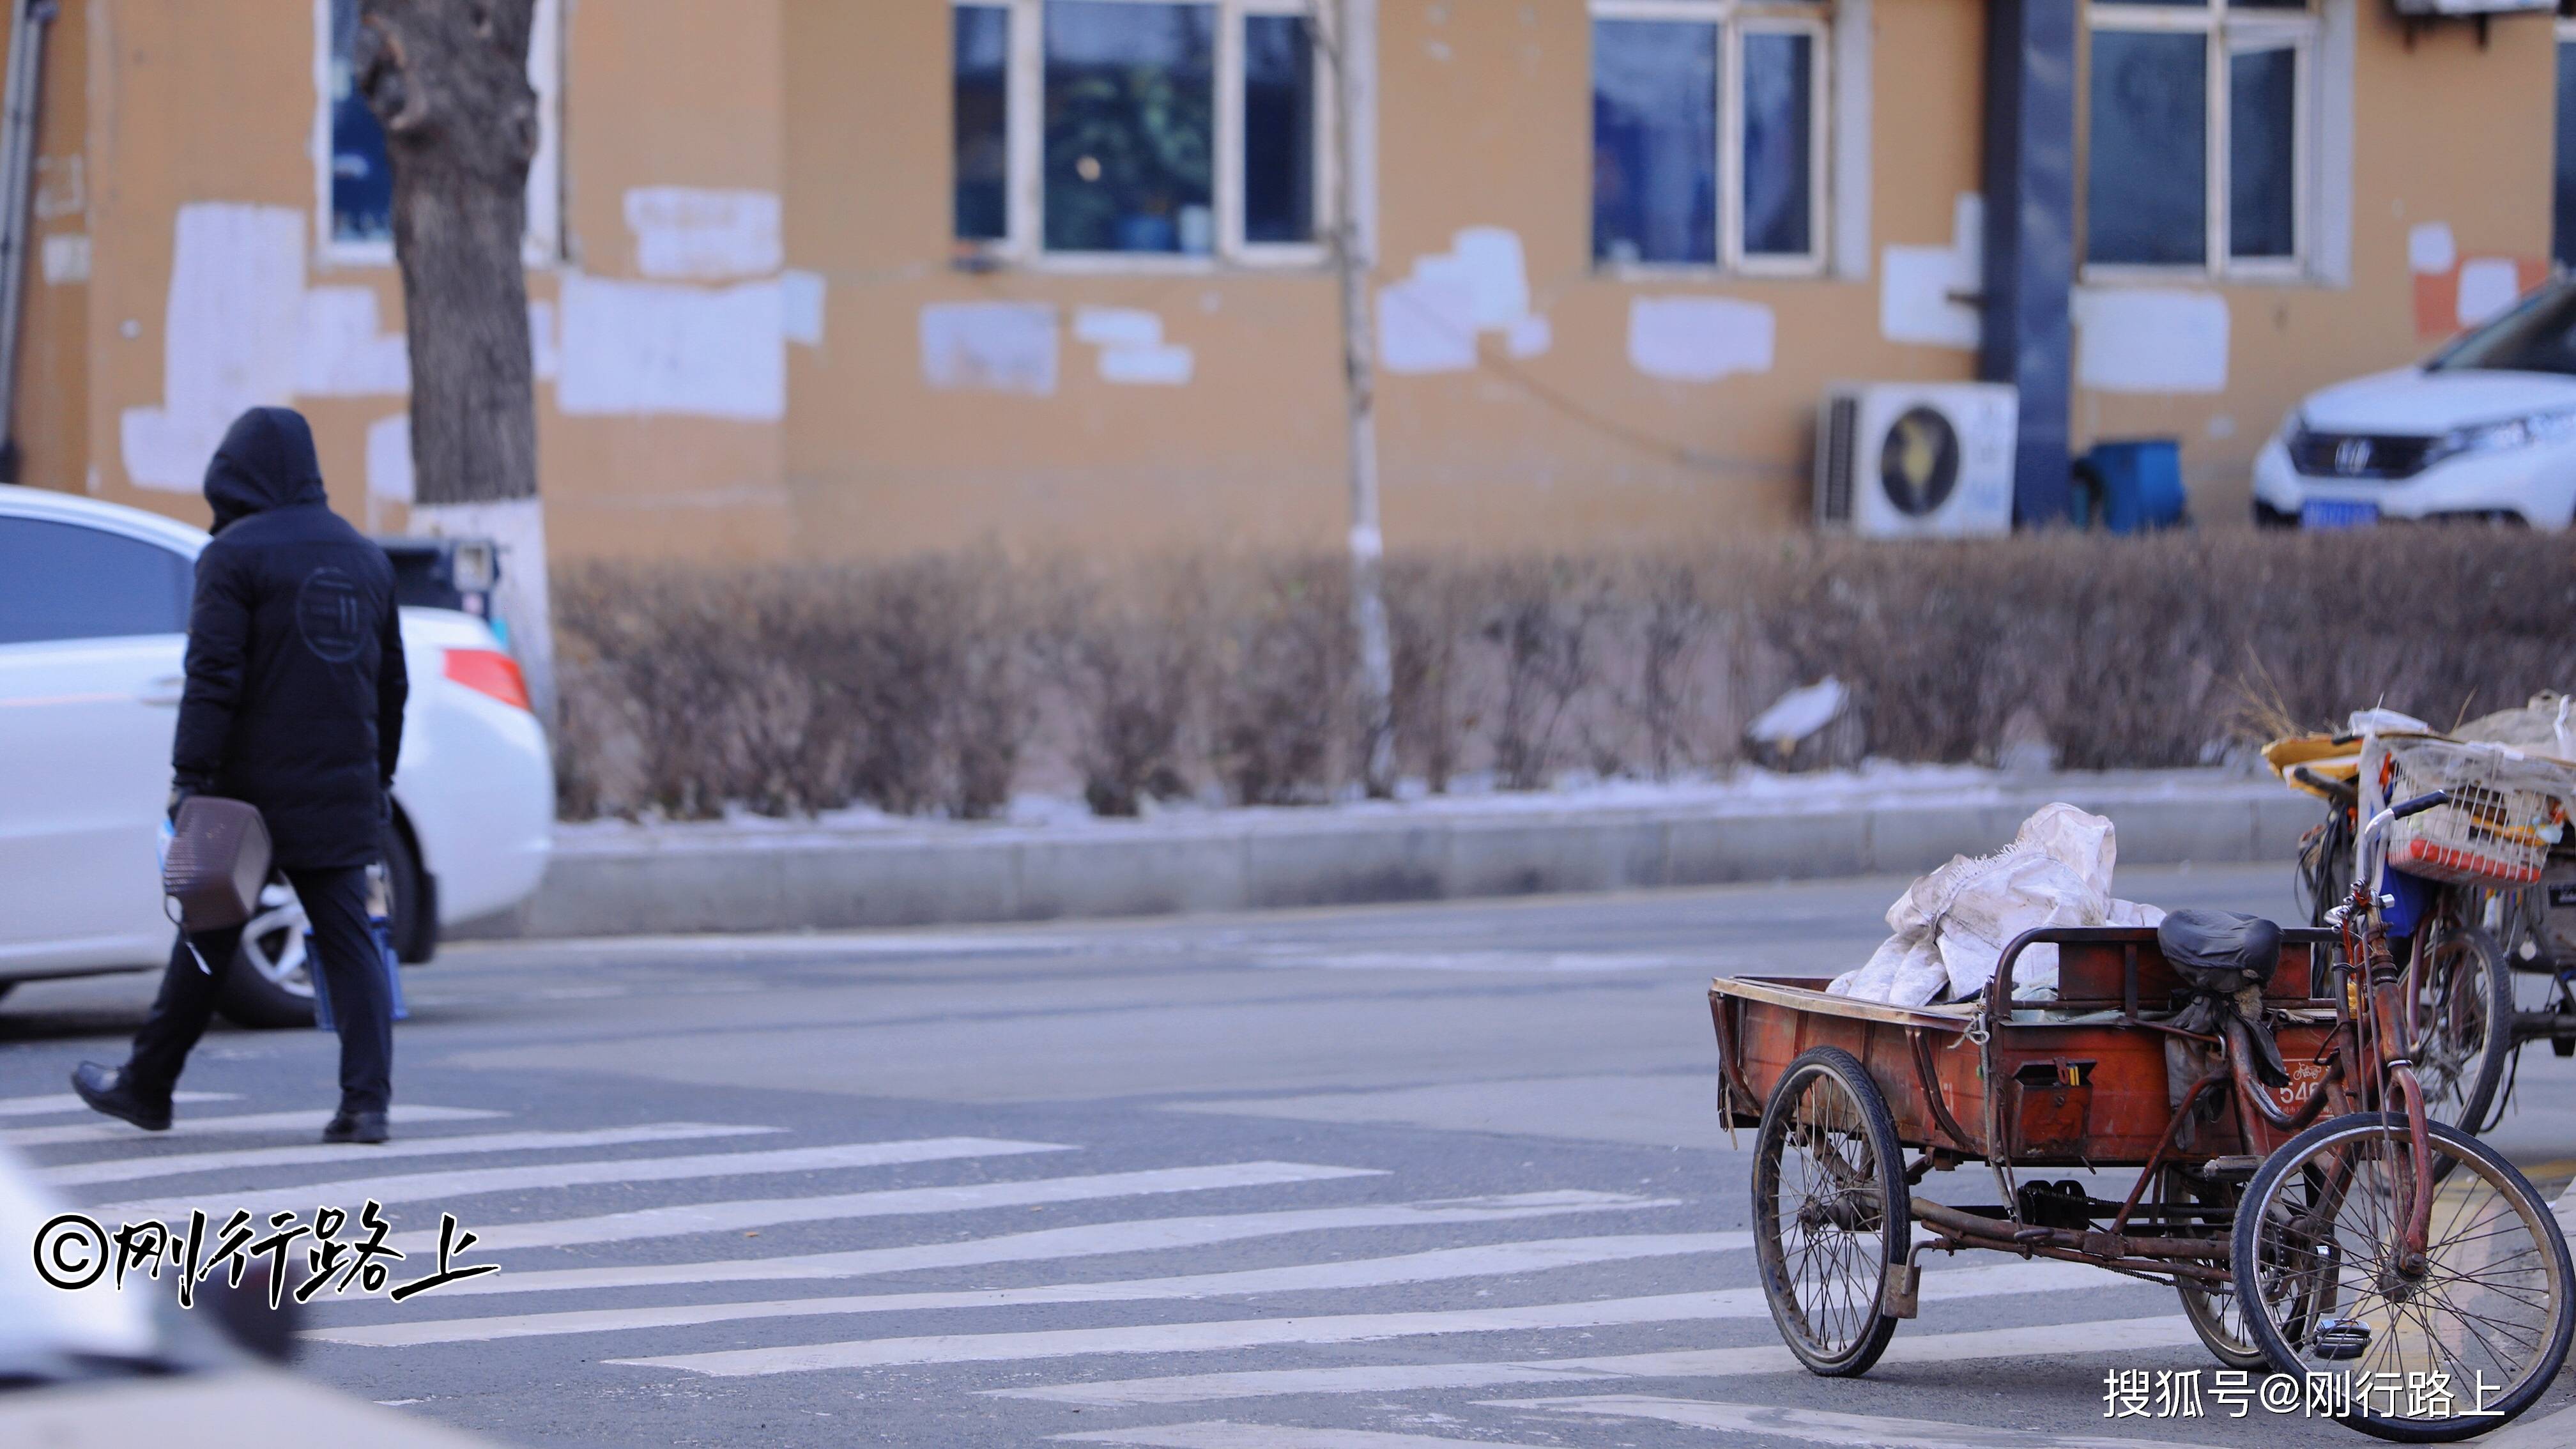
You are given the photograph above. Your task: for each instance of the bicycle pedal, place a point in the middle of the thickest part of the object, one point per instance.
(2340, 1338)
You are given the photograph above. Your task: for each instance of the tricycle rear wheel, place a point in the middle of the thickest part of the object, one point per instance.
(2214, 1312)
(1831, 1216)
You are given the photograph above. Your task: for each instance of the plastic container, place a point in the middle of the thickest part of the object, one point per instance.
(2131, 486)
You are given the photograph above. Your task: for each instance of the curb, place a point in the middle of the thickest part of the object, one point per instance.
(698, 879)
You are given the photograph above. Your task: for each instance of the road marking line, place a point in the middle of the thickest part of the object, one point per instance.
(1816, 1426)
(2117, 1335)
(176, 1164)
(1224, 1434)
(66, 1102)
(252, 1122)
(1140, 1235)
(465, 1182)
(1438, 1265)
(2014, 1277)
(733, 1216)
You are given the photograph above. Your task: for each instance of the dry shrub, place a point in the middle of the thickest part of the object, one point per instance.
(914, 686)
(1279, 679)
(1125, 656)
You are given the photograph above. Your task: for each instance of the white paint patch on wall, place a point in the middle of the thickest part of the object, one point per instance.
(694, 233)
(2150, 339)
(66, 258)
(229, 337)
(800, 300)
(389, 458)
(1698, 339)
(653, 347)
(1132, 350)
(340, 351)
(2488, 286)
(990, 347)
(2430, 250)
(1918, 287)
(1429, 321)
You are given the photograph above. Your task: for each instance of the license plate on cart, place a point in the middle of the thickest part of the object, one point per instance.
(2337, 513)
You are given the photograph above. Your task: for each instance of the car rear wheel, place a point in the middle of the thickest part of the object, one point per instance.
(271, 980)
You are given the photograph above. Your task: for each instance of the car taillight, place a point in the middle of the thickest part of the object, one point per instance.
(489, 671)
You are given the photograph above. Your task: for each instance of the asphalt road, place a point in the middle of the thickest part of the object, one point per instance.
(1367, 1179)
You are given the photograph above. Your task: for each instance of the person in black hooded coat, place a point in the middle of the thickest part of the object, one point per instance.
(294, 703)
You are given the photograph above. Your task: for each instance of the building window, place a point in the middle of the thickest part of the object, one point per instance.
(1141, 130)
(2198, 121)
(356, 184)
(2562, 214)
(1708, 134)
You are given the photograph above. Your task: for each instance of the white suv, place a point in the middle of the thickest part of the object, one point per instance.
(93, 635)
(2486, 429)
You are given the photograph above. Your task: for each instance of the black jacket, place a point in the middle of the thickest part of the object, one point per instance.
(295, 668)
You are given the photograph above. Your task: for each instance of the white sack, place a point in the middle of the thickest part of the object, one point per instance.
(1951, 926)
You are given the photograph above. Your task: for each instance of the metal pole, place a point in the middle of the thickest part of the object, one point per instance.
(18, 116)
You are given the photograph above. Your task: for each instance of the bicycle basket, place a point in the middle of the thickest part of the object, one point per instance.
(2506, 810)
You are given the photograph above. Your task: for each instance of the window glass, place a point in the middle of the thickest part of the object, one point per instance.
(65, 581)
(2538, 335)
(982, 156)
(1278, 130)
(1779, 185)
(362, 180)
(2262, 119)
(2563, 214)
(2145, 195)
(1130, 110)
(1654, 141)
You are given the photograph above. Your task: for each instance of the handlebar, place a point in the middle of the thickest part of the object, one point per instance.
(2368, 841)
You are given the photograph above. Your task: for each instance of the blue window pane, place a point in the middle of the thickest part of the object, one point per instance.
(362, 180)
(64, 581)
(1278, 130)
(980, 109)
(1130, 127)
(1654, 141)
(1779, 175)
(2262, 121)
(2564, 213)
(2146, 198)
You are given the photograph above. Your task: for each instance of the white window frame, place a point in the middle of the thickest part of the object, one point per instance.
(1734, 19)
(1024, 107)
(544, 241)
(2229, 31)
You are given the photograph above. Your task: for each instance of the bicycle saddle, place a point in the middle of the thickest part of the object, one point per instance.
(2220, 952)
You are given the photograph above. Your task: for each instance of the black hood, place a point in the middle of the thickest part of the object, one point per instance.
(266, 461)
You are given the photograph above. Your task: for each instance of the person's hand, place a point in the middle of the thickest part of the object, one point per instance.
(179, 795)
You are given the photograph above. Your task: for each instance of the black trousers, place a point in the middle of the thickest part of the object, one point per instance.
(361, 1001)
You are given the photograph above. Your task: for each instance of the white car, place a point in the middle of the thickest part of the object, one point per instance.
(2486, 429)
(93, 635)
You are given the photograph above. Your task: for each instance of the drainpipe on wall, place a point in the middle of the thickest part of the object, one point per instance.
(2030, 238)
(20, 99)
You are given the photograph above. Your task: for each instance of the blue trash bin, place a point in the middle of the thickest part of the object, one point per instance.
(2130, 486)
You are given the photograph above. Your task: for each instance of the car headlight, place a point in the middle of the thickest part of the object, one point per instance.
(2510, 433)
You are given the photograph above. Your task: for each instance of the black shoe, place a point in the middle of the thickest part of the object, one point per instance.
(357, 1127)
(106, 1090)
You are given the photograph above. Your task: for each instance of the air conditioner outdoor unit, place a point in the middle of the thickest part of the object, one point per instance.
(1916, 460)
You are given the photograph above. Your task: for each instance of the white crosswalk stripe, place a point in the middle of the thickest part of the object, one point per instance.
(737, 1216)
(180, 1164)
(2011, 1277)
(1436, 1266)
(469, 1182)
(1864, 1431)
(1140, 1235)
(304, 1121)
(57, 1103)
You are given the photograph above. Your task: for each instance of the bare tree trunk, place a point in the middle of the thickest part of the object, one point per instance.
(448, 79)
(1342, 44)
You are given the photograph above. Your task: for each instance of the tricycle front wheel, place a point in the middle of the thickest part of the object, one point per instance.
(2326, 1285)
(1831, 1216)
